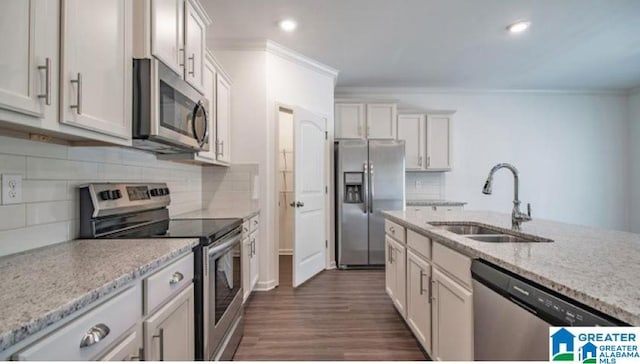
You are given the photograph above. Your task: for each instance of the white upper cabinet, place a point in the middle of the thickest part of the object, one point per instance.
(96, 66)
(365, 121)
(29, 56)
(223, 118)
(350, 121)
(439, 142)
(381, 121)
(195, 48)
(167, 32)
(411, 129)
(427, 141)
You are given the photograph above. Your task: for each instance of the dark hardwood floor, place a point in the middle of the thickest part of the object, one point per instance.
(337, 315)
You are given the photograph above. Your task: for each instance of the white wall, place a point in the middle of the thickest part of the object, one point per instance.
(296, 85)
(634, 128)
(571, 150)
(52, 173)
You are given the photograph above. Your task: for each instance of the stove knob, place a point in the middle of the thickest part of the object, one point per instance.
(105, 195)
(154, 192)
(116, 194)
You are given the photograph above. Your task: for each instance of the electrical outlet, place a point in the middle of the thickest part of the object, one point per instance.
(11, 189)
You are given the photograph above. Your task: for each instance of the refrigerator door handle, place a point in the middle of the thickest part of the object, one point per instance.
(371, 191)
(365, 183)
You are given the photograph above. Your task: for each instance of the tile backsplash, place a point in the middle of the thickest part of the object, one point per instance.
(424, 186)
(230, 188)
(51, 173)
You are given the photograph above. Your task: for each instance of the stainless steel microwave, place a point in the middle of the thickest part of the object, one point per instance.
(169, 116)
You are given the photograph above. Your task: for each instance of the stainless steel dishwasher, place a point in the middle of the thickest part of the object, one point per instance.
(512, 316)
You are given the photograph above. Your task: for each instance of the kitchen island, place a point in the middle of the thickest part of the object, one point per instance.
(428, 269)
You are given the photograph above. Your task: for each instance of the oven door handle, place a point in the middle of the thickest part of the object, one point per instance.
(216, 250)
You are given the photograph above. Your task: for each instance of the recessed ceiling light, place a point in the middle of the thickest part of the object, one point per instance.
(519, 26)
(288, 25)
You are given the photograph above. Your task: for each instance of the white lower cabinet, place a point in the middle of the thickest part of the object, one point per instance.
(128, 349)
(419, 299)
(249, 255)
(169, 333)
(452, 312)
(430, 286)
(395, 273)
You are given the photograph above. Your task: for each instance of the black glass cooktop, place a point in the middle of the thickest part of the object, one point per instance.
(207, 230)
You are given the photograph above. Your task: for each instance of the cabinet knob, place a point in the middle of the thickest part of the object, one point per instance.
(176, 277)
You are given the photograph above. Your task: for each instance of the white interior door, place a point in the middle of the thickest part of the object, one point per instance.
(309, 248)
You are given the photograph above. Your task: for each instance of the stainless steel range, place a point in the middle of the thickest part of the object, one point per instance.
(138, 211)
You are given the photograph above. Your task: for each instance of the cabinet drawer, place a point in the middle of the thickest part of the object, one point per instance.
(128, 349)
(113, 318)
(394, 230)
(254, 222)
(167, 282)
(454, 263)
(420, 243)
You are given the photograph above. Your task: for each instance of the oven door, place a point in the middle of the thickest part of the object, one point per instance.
(224, 290)
(167, 109)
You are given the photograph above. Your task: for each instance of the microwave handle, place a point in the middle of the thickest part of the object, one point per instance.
(201, 141)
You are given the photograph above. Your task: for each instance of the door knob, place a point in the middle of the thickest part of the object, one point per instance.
(299, 204)
(293, 204)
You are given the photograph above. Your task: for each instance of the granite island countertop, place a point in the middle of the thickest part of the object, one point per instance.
(434, 203)
(45, 285)
(244, 214)
(599, 268)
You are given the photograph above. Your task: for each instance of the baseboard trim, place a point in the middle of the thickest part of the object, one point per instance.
(332, 265)
(265, 286)
(285, 252)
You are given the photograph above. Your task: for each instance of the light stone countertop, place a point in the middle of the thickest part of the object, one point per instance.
(434, 203)
(42, 286)
(599, 268)
(244, 214)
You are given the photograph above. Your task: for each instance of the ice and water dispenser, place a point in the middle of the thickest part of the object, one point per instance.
(353, 187)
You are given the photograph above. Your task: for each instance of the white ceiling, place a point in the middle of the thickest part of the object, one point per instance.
(572, 44)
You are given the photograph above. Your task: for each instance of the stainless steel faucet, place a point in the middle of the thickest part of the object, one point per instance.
(517, 217)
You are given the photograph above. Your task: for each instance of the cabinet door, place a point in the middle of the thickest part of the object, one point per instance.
(209, 94)
(438, 142)
(350, 121)
(128, 349)
(400, 264)
(246, 267)
(381, 121)
(223, 118)
(27, 57)
(418, 299)
(169, 332)
(452, 313)
(96, 66)
(167, 38)
(253, 240)
(390, 269)
(411, 129)
(194, 36)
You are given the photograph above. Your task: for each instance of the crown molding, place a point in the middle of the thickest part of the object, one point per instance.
(346, 91)
(277, 49)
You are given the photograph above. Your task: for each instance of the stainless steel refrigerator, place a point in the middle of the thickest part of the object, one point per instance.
(370, 177)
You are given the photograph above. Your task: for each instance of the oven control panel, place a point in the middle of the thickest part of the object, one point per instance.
(108, 199)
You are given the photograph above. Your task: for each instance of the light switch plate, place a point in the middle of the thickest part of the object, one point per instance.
(11, 189)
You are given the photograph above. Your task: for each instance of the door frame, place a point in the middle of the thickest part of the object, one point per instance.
(328, 158)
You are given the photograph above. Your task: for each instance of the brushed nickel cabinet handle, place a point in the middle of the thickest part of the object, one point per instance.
(94, 335)
(160, 336)
(193, 64)
(222, 148)
(420, 161)
(428, 161)
(181, 56)
(47, 86)
(78, 105)
(422, 275)
(176, 277)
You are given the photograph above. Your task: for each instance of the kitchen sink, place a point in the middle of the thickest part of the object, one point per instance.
(486, 234)
(503, 238)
